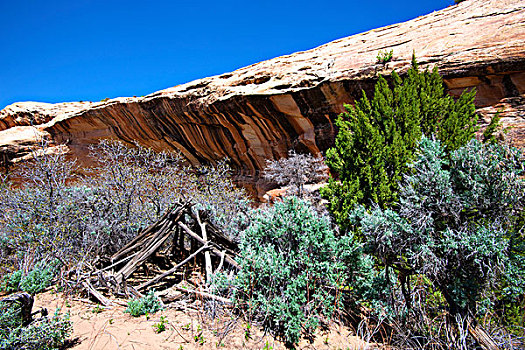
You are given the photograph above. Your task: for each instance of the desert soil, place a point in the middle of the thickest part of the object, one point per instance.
(111, 328)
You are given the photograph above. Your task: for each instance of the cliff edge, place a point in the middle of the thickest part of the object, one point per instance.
(261, 111)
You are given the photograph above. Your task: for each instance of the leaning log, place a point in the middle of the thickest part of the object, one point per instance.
(172, 270)
(207, 257)
(95, 293)
(213, 250)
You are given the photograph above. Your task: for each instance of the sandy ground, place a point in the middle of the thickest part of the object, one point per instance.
(111, 328)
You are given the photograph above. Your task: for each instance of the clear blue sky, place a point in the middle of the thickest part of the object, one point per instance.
(54, 51)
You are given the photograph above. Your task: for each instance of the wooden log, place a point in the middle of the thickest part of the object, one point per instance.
(182, 237)
(26, 301)
(176, 211)
(124, 288)
(113, 285)
(175, 243)
(102, 280)
(135, 292)
(152, 245)
(172, 270)
(218, 235)
(480, 335)
(130, 267)
(207, 257)
(103, 300)
(140, 238)
(116, 263)
(221, 262)
(203, 294)
(141, 242)
(213, 250)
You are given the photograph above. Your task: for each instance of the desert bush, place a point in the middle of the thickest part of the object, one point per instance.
(384, 56)
(148, 304)
(292, 268)
(47, 333)
(456, 226)
(10, 318)
(58, 214)
(296, 171)
(378, 138)
(35, 281)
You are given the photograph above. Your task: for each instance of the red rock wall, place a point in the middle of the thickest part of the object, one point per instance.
(261, 111)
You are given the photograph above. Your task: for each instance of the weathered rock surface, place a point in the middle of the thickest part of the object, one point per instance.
(262, 110)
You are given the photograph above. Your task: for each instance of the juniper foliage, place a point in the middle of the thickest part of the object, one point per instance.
(378, 138)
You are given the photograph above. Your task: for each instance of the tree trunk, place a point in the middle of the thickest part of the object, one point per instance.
(475, 330)
(480, 335)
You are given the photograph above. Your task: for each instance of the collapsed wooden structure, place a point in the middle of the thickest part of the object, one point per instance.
(154, 258)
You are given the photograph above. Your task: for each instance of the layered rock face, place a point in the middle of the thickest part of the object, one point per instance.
(260, 111)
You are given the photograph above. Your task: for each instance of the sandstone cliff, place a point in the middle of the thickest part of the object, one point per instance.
(260, 111)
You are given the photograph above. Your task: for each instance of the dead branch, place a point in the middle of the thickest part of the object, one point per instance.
(159, 243)
(207, 257)
(203, 294)
(103, 300)
(172, 270)
(214, 250)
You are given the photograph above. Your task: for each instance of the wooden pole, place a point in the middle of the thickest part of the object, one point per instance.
(172, 270)
(207, 257)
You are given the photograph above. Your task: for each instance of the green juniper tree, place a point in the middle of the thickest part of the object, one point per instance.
(377, 137)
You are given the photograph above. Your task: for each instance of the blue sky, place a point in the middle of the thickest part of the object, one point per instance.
(55, 51)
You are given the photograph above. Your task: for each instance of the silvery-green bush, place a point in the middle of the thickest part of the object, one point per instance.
(457, 225)
(74, 214)
(148, 304)
(293, 269)
(33, 282)
(47, 333)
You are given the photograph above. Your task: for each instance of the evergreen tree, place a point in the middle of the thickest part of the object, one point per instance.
(377, 138)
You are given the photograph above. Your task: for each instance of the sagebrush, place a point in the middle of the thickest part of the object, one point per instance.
(148, 304)
(292, 268)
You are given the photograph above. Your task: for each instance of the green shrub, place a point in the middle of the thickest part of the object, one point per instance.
(489, 134)
(48, 333)
(161, 326)
(10, 318)
(11, 281)
(148, 304)
(291, 269)
(33, 282)
(456, 225)
(378, 138)
(384, 56)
